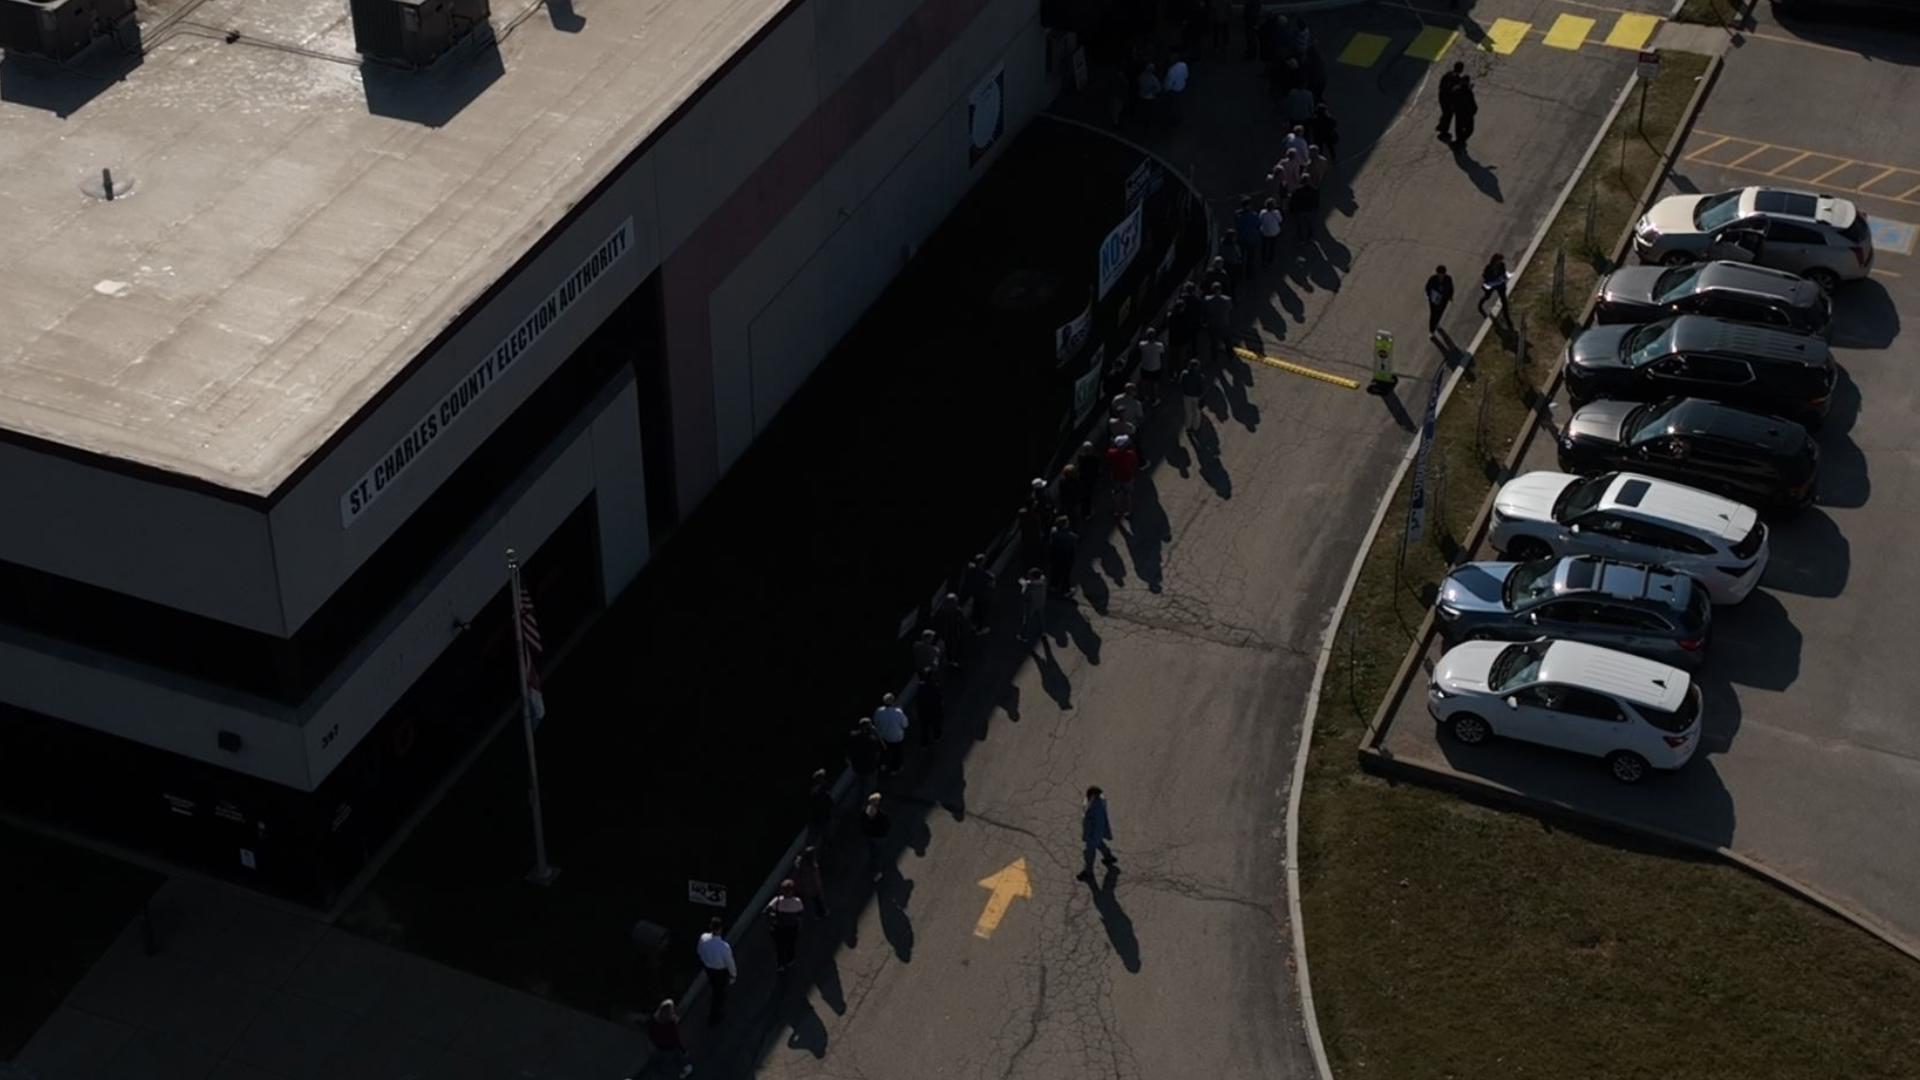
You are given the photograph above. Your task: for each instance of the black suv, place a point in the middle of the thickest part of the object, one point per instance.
(1724, 290)
(1766, 370)
(1763, 461)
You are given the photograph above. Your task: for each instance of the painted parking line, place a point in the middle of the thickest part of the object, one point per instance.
(1568, 32)
(1432, 43)
(1896, 237)
(1297, 369)
(1633, 31)
(1364, 49)
(1835, 173)
(1505, 35)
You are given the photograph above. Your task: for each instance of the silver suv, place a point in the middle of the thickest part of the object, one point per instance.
(1819, 237)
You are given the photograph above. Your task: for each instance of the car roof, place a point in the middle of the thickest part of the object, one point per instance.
(1798, 205)
(1590, 575)
(1676, 504)
(1693, 416)
(1641, 681)
(1758, 280)
(1701, 334)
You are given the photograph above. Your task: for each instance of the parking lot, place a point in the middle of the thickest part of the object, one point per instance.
(1811, 753)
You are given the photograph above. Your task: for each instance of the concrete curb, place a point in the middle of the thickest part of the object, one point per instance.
(1315, 1040)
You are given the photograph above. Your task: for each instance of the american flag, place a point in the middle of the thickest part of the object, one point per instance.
(529, 656)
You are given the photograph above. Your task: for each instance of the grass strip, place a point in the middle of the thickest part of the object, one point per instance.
(1449, 939)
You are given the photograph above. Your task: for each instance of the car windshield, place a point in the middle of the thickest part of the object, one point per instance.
(1648, 421)
(1646, 344)
(1580, 497)
(1675, 283)
(1716, 210)
(1516, 665)
(1530, 581)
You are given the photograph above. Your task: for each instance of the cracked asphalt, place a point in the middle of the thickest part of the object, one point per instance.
(1177, 680)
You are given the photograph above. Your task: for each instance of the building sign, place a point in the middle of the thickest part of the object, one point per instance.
(1118, 250)
(1086, 390)
(1072, 334)
(987, 114)
(448, 410)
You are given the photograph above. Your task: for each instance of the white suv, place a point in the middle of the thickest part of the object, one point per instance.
(1636, 714)
(1635, 519)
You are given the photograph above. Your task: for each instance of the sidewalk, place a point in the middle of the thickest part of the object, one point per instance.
(244, 989)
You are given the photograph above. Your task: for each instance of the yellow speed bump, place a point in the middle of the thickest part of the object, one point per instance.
(1297, 369)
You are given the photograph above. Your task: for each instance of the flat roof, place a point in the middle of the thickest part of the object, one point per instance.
(285, 251)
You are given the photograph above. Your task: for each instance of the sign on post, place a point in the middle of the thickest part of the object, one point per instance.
(1649, 65)
(707, 893)
(1383, 376)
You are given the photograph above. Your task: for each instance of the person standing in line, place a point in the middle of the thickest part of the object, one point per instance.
(1216, 276)
(865, 752)
(1269, 231)
(813, 885)
(819, 806)
(1095, 830)
(1300, 99)
(1175, 86)
(1325, 131)
(1153, 360)
(1127, 406)
(1123, 463)
(1219, 323)
(1193, 386)
(1246, 225)
(1465, 108)
(1295, 139)
(663, 1031)
(1286, 173)
(875, 825)
(1093, 468)
(950, 623)
(1234, 259)
(1118, 426)
(783, 918)
(1493, 283)
(977, 585)
(1063, 546)
(890, 720)
(1439, 295)
(1035, 512)
(1315, 70)
(1033, 603)
(1185, 320)
(927, 652)
(1072, 493)
(716, 956)
(930, 706)
(1318, 166)
(1451, 84)
(1302, 206)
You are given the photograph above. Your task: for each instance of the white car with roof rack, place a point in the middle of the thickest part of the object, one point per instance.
(1633, 518)
(1633, 713)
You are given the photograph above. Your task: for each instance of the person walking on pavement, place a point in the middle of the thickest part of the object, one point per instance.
(1193, 386)
(1465, 108)
(875, 825)
(783, 918)
(1493, 283)
(663, 1031)
(1219, 322)
(1269, 231)
(807, 875)
(1439, 295)
(819, 806)
(930, 706)
(1063, 546)
(1095, 830)
(1033, 603)
(1123, 463)
(976, 586)
(716, 956)
(890, 720)
(1325, 131)
(1153, 362)
(1451, 84)
(865, 752)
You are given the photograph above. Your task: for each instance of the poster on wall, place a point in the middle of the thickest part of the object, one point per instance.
(1072, 334)
(1118, 250)
(986, 114)
(1086, 389)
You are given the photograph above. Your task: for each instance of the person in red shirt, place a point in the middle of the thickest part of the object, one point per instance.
(1123, 463)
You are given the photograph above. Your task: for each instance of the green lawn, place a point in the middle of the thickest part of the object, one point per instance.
(1450, 940)
(63, 907)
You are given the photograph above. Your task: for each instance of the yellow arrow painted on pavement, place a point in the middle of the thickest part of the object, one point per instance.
(1003, 887)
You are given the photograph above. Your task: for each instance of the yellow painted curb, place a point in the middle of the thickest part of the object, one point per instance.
(1297, 369)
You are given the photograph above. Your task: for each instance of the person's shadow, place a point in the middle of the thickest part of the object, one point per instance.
(892, 896)
(1481, 175)
(1119, 926)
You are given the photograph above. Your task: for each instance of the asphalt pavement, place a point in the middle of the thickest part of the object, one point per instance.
(1812, 750)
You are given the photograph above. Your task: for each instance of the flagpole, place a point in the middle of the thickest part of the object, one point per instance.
(542, 873)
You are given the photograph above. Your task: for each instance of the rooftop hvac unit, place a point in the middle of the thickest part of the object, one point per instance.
(58, 29)
(414, 32)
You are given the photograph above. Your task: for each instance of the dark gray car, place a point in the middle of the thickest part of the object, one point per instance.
(1643, 610)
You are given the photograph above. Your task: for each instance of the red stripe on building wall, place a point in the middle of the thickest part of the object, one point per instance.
(768, 195)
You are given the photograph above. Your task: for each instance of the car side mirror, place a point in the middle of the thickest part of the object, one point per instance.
(1533, 617)
(1575, 529)
(1513, 702)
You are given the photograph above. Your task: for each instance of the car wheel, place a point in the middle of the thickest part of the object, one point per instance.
(1627, 766)
(1675, 258)
(1527, 549)
(1825, 278)
(1468, 729)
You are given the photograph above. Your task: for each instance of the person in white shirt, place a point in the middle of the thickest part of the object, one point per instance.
(1175, 84)
(1269, 231)
(1153, 359)
(783, 915)
(717, 957)
(890, 720)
